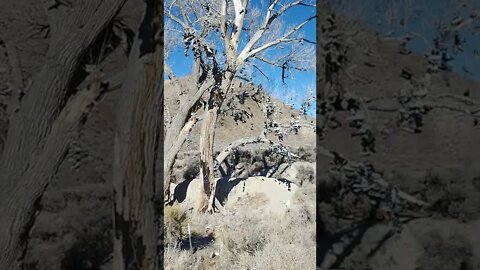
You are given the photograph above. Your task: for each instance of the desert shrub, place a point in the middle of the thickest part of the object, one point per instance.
(268, 242)
(305, 174)
(175, 221)
(241, 239)
(193, 169)
(452, 252)
(176, 258)
(241, 235)
(306, 153)
(278, 255)
(245, 156)
(451, 196)
(305, 210)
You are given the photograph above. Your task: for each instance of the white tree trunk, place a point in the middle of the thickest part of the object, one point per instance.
(177, 132)
(207, 173)
(207, 137)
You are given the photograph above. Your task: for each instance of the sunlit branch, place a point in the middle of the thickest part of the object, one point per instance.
(269, 18)
(277, 64)
(245, 54)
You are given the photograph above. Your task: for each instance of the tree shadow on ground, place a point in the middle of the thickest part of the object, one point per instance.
(326, 240)
(225, 186)
(198, 242)
(180, 193)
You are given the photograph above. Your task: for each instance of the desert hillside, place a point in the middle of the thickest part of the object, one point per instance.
(376, 67)
(440, 164)
(229, 130)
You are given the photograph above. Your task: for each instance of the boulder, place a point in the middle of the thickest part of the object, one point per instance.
(258, 193)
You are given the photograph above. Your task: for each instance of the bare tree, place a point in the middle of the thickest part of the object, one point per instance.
(214, 30)
(45, 115)
(177, 127)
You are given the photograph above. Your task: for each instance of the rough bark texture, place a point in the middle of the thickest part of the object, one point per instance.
(207, 168)
(207, 136)
(178, 130)
(183, 121)
(139, 122)
(172, 152)
(40, 130)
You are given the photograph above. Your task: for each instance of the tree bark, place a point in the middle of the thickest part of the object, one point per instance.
(170, 156)
(39, 133)
(178, 131)
(207, 136)
(137, 144)
(206, 155)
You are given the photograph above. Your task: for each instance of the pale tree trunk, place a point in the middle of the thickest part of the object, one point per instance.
(169, 157)
(214, 104)
(137, 145)
(206, 155)
(177, 132)
(207, 136)
(183, 121)
(39, 133)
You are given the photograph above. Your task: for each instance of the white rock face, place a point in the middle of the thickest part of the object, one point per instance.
(258, 193)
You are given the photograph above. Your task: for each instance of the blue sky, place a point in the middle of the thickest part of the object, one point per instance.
(420, 16)
(295, 85)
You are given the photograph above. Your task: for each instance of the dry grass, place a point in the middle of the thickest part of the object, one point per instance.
(175, 221)
(247, 240)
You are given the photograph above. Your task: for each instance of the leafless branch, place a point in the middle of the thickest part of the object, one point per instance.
(276, 64)
(245, 141)
(250, 51)
(240, 10)
(169, 72)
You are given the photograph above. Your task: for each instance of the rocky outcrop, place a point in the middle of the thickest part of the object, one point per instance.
(258, 193)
